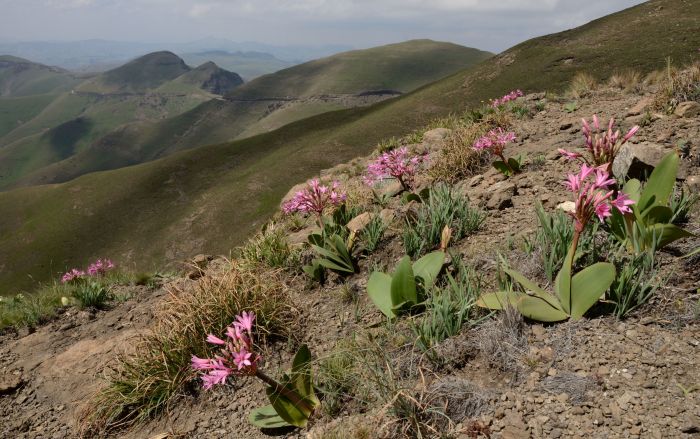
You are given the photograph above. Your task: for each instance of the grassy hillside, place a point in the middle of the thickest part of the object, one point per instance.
(243, 114)
(403, 67)
(208, 199)
(208, 77)
(19, 77)
(142, 74)
(249, 65)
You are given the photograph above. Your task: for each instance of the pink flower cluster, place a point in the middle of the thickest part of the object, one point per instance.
(98, 268)
(495, 141)
(236, 355)
(594, 196)
(602, 146)
(315, 198)
(397, 164)
(72, 275)
(513, 95)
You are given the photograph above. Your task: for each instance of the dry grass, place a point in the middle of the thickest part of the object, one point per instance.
(678, 86)
(629, 81)
(457, 159)
(582, 85)
(146, 380)
(503, 341)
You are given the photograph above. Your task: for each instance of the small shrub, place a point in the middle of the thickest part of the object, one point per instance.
(386, 145)
(521, 111)
(541, 105)
(571, 107)
(146, 380)
(582, 85)
(270, 247)
(443, 208)
(413, 138)
(678, 86)
(628, 80)
(457, 159)
(92, 294)
(636, 282)
(372, 234)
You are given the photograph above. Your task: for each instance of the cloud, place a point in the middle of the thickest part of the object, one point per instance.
(69, 4)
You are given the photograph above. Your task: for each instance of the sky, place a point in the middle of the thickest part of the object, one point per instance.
(491, 25)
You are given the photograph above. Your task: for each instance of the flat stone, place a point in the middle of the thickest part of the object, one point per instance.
(567, 206)
(639, 107)
(688, 109)
(638, 160)
(10, 383)
(359, 222)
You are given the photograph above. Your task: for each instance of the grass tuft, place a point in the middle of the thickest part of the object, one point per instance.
(582, 85)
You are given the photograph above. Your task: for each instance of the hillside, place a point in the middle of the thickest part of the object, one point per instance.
(20, 77)
(28, 123)
(249, 65)
(210, 198)
(244, 113)
(140, 75)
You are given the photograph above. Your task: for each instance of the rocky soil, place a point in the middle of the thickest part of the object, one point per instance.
(597, 378)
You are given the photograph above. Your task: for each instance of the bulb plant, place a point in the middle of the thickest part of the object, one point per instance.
(575, 293)
(500, 102)
(89, 289)
(315, 199)
(602, 146)
(495, 142)
(396, 164)
(292, 399)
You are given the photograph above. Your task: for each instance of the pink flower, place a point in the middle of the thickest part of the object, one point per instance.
(100, 267)
(623, 203)
(200, 363)
(495, 141)
(316, 198)
(72, 275)
(215, 340)
(603, 146)
(513, 95)
(569, 155)
(245, 321)
(216, 376)
(602, 179)
(394, 164)
(242, 358)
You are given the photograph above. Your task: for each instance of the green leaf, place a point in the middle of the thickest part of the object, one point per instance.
(562, 284)
(588, 285)
(668, 233)
(403, 283)
(379, 290)
(301, 375)
(497, 300)
(534, 288)
(633, 189)
(661, 181)
(657, 215)
(410, 196)
(538, 309)
(502, 167)
(514, 163)
(267, 417)
(331, 265)
(286, 409)
(428, 267)
(341, 248)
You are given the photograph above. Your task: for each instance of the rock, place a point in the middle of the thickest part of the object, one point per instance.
(693, 183)
(566, 126)
(688, 109)
(436, 136)
(387, 215)
(502, 195)
(389, 188)
(10, 383)
(567, 206)
(639, 108)
(359, 222)
(553, 155)
(302, 236)
(637, 160)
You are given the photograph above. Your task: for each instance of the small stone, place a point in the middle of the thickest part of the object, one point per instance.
(688, 109)
(10, 383)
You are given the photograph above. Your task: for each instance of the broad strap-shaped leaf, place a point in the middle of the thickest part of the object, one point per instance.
(661, 181)
(267, 417)
(668, 233)
(502, 167)
(538, 309)
(292, 413)
(588, 285)
(657, 215)
(618, 226)
(428, 267)
(533, 288)
(342, 249)
(379, 291)
(633, 189)
(562, 284)
(403, 284)
(331, 265)
(515, 163)
(301, 375)
(498, 300)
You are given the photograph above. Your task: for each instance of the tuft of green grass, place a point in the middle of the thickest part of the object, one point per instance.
(681, 203)
(444, 207)
(92, 294)
(582, 85)
(270, 248)
(32, 309)
(636, 283)
(372, 234)
(145, 380)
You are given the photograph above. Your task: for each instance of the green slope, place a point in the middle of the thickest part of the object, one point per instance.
(244, 113)
(19, 77)
(210, 198)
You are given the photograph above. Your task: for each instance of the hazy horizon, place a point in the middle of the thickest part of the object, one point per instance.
(483, 24)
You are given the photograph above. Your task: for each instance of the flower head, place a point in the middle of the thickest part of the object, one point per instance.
(394, 164)
(495, 141)
(100, 267)
(513, 95)
(72, 275)
(236, 357)
(594, 196)
(315, 198)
